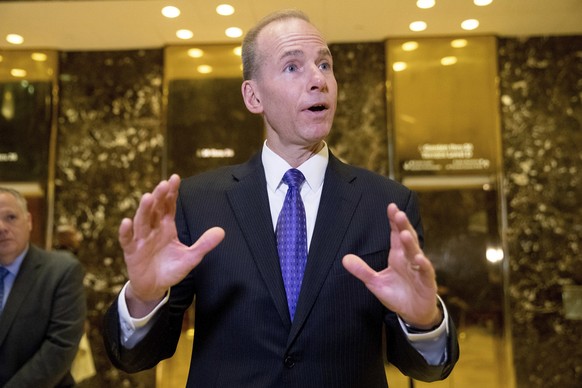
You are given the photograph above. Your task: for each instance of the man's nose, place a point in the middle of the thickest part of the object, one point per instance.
(317, 80)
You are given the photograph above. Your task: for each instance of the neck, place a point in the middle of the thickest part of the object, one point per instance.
(296, 157)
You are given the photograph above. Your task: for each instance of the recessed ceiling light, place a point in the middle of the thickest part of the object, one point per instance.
(38, 57)
(482, 3)
(195, 53)
(399, 66)
(204, 69)
(14, 39)
(184, 34)
(19, 73)
(417, 26)
(233, 32)
(459, 43)
(425, 4)
(170, 12)
(225, 9)
(410, 46)
(448, 61)
(470, 24)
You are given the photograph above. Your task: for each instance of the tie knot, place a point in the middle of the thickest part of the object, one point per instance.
(293, 178)
(3, 272)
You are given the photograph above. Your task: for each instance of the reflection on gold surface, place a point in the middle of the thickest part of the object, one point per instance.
(29, 65)
(447, 148)
(183, 62)
(480, 352)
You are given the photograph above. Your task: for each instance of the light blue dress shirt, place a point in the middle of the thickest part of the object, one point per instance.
(13, 270)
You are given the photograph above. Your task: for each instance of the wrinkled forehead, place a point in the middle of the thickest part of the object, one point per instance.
(290, 34)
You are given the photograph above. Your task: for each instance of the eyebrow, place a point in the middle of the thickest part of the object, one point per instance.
(324, 52)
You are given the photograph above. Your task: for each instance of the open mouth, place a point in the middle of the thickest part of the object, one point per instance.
(317, 108)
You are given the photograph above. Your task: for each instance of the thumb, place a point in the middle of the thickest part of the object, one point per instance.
(358, 267)
(208, 241)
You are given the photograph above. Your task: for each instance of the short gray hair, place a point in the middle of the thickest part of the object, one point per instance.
(16, 194)
(250, 58)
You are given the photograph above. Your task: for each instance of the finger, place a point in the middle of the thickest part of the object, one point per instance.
(142, 221)
(172, 196)
(410, 245)
(126, 234)
(400, 219)
(358, 267)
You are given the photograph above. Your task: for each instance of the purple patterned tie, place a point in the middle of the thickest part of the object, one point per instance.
(3, 273)
(292, 238)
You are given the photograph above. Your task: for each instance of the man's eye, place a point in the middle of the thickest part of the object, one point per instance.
(291, 68)
(325, 66)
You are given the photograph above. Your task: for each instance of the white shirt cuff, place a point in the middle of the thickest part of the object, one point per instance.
(134, 329)
(433, 344)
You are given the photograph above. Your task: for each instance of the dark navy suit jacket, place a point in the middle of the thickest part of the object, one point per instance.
(243, 333)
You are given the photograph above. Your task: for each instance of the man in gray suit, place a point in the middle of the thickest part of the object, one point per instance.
(216, 236)
(42, 304)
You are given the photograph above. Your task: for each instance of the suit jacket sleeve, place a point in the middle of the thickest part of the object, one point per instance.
(160, 342)
(52, 361)
(400, 352)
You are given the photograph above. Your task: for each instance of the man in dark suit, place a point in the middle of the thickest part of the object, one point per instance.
(214, 237)
(42, 304)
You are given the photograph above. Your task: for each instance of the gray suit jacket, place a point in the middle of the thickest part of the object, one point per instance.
(42, 322)
(243, 333)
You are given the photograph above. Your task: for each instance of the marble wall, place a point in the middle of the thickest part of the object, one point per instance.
(360, 135)
(110, 151)
(541, 88)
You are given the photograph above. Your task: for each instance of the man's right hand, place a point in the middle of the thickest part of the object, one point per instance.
(155, 258)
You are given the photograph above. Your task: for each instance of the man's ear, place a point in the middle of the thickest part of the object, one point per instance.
(251, 97)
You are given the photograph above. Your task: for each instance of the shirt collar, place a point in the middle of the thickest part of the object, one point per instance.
(313, 168)
(14, 267)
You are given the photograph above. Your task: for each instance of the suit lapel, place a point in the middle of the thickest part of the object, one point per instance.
(339, 199)
(20, 289)
(250, 204)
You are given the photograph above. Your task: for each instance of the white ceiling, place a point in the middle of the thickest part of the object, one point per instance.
(131, 24)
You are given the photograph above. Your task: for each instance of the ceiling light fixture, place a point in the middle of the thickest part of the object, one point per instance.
(14, 39)
(482, 3)
(195, 53)
(204, 69)
(409, 46)
(233, 32)
(18, 73)
(417, 26)
(425, 4)
(170, 12)
(448, 61)
(399, 66)
(39, 57)
(225, 9)
(184, 34)
(470, 24)
(459, 43)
